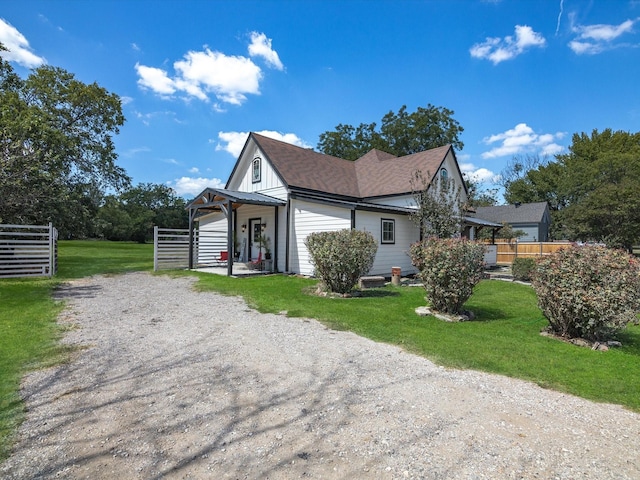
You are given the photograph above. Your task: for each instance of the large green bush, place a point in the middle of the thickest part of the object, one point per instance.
(588, 292)
(449, 269)
(341, 257)
(522, 268)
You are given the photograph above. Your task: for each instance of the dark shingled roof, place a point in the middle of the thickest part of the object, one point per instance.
(375, 174)
(524, 213)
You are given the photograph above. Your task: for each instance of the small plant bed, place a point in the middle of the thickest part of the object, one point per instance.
(463, 316)
(602, 346)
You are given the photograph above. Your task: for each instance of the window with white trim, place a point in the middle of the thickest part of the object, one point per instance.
(388, 230)
(256, 173)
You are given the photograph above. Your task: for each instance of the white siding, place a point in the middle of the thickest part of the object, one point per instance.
(306, 218)
(398, 201)
(452, 170)
(242, 178)
(390, 255)
(212, 238)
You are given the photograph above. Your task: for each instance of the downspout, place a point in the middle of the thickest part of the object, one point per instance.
(353, 218)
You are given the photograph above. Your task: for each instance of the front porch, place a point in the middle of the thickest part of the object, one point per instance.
(246, 248)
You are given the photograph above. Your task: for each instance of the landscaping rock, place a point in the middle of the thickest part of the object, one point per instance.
(371, 282)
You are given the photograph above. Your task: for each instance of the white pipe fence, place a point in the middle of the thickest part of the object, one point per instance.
(28, 250)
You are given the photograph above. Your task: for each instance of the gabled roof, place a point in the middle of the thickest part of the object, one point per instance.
(513, 214)
(381, 174)
(375, 174)
(307, 169)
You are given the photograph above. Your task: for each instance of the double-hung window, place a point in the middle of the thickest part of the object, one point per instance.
(388, 231)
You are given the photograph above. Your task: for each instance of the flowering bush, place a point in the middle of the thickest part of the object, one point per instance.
(588, 292)
(449, 269)
(341, 257)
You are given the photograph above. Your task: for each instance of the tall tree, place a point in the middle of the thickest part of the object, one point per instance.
(400, 134)
(55, 146)
(604, 190)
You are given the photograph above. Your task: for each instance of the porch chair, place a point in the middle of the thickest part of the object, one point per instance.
(256, 264)
(222, 259)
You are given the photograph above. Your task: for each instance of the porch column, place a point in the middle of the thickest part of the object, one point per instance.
(275, 240)
(229, 238)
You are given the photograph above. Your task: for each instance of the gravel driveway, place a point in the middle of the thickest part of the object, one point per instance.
(178, 384)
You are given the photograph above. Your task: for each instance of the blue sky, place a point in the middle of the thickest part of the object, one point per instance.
(196, 76)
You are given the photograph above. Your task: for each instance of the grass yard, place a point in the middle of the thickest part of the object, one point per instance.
(503, 339)
(83, 258)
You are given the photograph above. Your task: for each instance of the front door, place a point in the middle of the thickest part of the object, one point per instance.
(255, 230)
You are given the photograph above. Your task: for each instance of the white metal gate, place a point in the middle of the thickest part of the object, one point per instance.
(28, 251)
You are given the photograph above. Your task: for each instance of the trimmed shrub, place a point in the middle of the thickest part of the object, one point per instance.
(341, 257)
(449, 269)
(588, 292)
(522, 268)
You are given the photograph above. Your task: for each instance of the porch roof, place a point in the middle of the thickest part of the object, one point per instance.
(213, 199)
(480, 222)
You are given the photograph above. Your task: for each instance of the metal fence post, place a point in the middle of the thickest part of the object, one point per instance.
(155, 248)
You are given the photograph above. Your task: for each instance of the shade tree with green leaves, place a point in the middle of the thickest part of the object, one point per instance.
(57, 153)
(400, 134)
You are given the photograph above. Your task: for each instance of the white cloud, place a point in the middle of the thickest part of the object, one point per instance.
(480, 175)
(194, 170)
(594, 39)
(189, 186)
(522, 139)
(18, 47)
(261, 47)
(201, 74)
(233, 142)
(155, 79)
(500, 49)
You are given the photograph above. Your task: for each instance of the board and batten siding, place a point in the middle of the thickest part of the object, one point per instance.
(212, 238)
(306, 218)
(390, 254)
(243, 177)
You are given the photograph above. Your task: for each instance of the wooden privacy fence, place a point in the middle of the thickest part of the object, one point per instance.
(171, 248)
(506, 251)
(28, 251)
